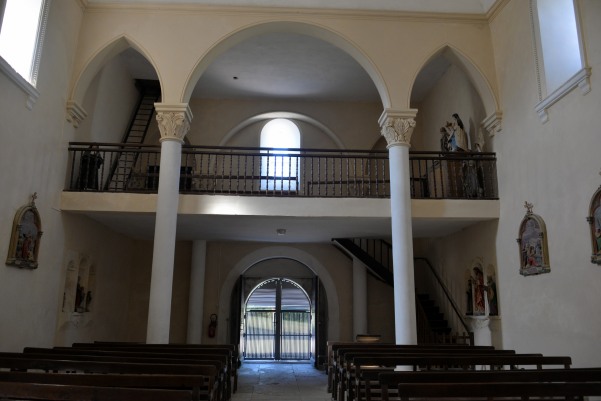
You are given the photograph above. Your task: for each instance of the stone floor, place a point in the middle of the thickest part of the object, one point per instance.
(281, 381)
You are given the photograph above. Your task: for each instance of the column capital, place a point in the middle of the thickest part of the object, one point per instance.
(174, 120)
(493, 123)
(479, 322)
(75, 113)
(397, 126)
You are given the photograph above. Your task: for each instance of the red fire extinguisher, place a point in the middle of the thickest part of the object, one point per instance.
(212, 325)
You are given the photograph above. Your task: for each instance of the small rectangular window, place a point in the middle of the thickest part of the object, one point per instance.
(560, 59)
(21, 35)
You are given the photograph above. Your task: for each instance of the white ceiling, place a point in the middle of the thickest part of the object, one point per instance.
(297, 67)
(264, 229)
(431, 6)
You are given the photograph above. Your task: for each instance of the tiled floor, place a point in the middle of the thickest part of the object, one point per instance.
(281, 381)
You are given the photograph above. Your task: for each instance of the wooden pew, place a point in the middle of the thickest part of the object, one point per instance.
(356, 382)
(230, 349)
(23, 364)
(201, 387)
(344, 356)
(388, 382)
(335, 346)
(220, 379)
(496, 391)
(61, 392)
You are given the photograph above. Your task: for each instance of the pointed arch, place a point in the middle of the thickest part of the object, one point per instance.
(302, 28)
(100, 59)
(286, 252)
(473, 73)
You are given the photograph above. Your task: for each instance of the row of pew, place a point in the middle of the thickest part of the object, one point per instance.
(387, 372)
(120, 371)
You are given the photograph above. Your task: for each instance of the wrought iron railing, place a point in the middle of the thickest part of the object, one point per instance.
(428, 280)
(280, 172)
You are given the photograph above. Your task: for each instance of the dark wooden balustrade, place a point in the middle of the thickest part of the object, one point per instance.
(110, 167)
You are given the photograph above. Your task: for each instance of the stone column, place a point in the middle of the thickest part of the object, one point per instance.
(174, 123)
(359, 298)
(397, 128)
(197, 289)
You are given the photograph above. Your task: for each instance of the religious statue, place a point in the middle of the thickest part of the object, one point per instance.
(458, 135)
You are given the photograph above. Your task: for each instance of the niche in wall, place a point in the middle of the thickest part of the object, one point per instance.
(594, 220)
(481, 291)
(79, 289)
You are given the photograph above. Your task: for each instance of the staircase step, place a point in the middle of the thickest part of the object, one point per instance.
(438, 324)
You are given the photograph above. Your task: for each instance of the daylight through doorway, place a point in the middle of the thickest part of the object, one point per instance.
(277, 322)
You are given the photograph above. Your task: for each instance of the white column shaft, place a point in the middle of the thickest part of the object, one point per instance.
(197, 288)
(359, 298)
(161, 285)
(402, 246)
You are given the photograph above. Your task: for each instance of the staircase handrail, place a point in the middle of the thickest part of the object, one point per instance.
(447, 294)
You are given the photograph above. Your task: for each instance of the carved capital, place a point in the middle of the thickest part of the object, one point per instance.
(398, 131)
(479, 322)
(75, 113)
(174, 122)
(493, 123)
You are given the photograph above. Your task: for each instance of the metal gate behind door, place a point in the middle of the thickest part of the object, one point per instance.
(278, 322)
(259, 339)
(295, 340)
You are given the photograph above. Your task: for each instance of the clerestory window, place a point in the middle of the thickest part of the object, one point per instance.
(22, 29)
(279, 170)
(559, 51)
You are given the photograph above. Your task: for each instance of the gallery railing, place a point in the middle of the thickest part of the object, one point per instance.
(109, 167)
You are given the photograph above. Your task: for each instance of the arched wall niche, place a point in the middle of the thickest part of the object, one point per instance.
(474, 74)
(282, 252)
(447, 83)
(99, 60)
(264, 117)
(303, 28)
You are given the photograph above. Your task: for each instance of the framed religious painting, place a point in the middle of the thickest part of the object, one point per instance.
(25, 237)
(534, 254)
(594, 219)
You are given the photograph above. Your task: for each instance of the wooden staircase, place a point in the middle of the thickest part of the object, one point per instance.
(376, 255)
(135, 134)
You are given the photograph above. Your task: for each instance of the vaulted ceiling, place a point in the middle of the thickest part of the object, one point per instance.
(294, 66)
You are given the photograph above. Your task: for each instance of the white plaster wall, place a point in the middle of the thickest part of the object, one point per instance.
(355, 124)
(555, 166)
(33, 159)
(139, 295)
(380, 309)
(110, 254)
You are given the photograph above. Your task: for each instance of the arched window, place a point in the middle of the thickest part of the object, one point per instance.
(560, 59)
(22, 29)
(279, 170)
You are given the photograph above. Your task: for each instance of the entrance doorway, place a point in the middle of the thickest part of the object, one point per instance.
(277, 322)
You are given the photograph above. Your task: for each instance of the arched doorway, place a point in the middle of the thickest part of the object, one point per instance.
(278, 322)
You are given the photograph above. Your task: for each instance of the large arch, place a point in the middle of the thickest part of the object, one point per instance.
(303, 28)
(282, 114)
(474, 74)
(276, 252)
(100, 59)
